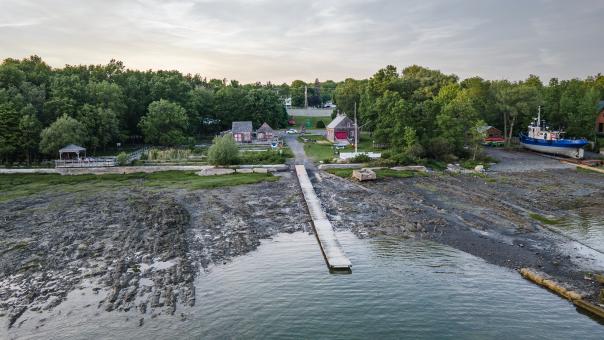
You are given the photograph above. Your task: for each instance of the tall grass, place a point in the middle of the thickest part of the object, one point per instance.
(20, 185)
(171, 154)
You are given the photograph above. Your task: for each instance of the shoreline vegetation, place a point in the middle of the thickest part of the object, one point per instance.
(13, 186)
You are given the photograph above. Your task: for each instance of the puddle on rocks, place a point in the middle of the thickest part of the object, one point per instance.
(398, 288)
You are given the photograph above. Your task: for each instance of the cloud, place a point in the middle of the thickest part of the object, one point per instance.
(283, 40)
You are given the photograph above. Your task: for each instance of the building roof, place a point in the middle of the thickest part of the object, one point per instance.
(240, 127)
(72, 148)
(600, 106)
(339, 120)
(265, 128)
(486, 128)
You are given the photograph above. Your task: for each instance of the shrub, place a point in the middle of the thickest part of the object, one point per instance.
(265, 157)
(320, 125)
(386, 155)
(439, 148)
(416, 151)
(224, 151)
(381, 162)
(122, 158)
(360, 158)
(403, 158)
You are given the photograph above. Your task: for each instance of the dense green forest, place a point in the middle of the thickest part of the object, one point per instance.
(44, 108)
(437, 113)
(418, 112)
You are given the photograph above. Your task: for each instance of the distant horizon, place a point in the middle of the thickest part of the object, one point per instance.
(285, 40)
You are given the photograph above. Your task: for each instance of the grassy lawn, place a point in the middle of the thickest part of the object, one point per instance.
(366, 143)
(318, 138)
(381, 173)
(20, 185)
(301, 120)
(318, 152)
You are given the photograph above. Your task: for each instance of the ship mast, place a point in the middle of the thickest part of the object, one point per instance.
(539, 117)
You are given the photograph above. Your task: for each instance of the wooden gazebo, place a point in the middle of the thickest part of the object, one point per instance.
(70, 150)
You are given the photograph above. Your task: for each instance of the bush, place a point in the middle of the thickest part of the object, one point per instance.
(416, 151)
(439, 148)
(403, 158)
(381, 162)
(320, 125)
(360, 158)
(224, 151)
(386, 154)
(265, 157)
(122, 158)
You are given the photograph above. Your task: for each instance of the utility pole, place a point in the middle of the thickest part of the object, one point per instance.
(356, 131)
(305, 97)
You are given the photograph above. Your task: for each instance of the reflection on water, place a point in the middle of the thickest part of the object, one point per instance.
(587, 226)
(398, 289)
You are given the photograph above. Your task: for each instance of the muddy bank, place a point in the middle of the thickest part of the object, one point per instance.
(487, 216)
(138, 250)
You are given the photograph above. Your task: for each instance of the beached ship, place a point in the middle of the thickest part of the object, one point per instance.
(540, 138)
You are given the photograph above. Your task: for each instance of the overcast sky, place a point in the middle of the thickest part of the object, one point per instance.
(284, 40)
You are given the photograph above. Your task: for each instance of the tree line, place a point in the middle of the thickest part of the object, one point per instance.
(439, 113)
(44, 108)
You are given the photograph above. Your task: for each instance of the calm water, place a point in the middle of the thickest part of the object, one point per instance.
(398, 289)
(587, 226)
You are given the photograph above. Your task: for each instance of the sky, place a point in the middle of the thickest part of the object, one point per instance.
(284, 40)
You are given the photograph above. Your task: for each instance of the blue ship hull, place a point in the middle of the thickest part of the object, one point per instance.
(566, 147)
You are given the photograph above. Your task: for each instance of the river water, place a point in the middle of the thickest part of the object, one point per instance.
(585, 225)
(398, 289)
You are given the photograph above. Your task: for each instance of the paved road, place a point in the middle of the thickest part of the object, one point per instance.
(298, 150)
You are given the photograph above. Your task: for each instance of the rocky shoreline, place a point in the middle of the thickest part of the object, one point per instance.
(486, 216)
(139, 250)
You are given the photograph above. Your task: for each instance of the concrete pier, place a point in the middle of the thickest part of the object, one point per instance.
(331, 248)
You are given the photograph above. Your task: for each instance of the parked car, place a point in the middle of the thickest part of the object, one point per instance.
(291, 131)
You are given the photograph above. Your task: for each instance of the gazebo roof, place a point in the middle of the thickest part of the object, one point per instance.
(72, 148)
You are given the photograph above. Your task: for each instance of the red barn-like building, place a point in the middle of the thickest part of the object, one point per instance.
(340, 128)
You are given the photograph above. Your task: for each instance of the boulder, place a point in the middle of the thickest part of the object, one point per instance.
(479, 168)
(260, 170)
(364, 175)
(245, 171)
